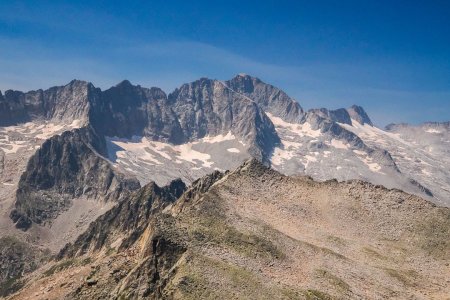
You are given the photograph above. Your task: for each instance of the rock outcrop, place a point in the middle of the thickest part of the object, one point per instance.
(66, 167)
(69, 102)
(268, 97)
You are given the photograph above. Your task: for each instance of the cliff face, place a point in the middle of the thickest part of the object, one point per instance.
(254, 233)
(66, 167)
(210, 107)
(268, 97)
(69, 102)
(129, 217)
(126, 110)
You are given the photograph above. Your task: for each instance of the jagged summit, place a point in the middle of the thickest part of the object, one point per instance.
(358, 114)
(77, 82)
(270, 98)
(124, 83)
(253, 166)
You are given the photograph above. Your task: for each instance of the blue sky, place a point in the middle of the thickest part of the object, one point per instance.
(391, 57)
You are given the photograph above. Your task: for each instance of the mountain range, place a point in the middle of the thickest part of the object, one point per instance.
(83, 171)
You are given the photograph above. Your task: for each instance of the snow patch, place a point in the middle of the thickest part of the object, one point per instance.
(296, 129)
(218, 138)
(431, 130)
(49, 130)
(280, 155)
(140, 150)
(233, 150)
(373, 133)
(338, 144)
(186, 153)
(13, 148)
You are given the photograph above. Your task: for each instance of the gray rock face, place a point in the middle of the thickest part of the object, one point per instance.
(70, 166)
(339, 115)
(209, 107)
(195, 110)
(64, 168)
(243, 106)
(268, 97)
(126, 110)
(57, 103)
(357, 113)
(129, 216)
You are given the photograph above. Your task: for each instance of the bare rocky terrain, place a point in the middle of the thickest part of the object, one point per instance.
(73, 154)
(254, 233)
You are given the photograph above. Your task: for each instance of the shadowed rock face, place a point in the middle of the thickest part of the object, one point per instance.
(69, 102)
(268, 97)
(66, 167)
(126, 110)
(131, 216)
(357, 113)
(209, 107)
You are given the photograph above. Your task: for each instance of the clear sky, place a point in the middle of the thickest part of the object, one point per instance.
(391, 57)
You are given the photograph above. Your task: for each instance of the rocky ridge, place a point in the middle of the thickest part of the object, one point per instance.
(66, 167)
(254, 233)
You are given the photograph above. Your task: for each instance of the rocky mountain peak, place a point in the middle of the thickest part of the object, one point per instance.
(57, 104)
(244, 82)
(78, 83)
(268, 97)
(340, 115)
(149, 93)
(124, 84)
(125, 93)
(358, 114)
(252, 165)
